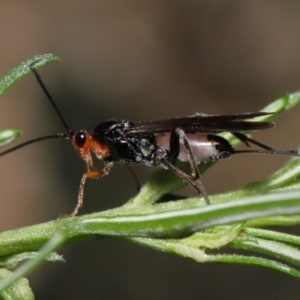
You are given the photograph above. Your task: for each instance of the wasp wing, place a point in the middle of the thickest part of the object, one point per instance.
(202, 123)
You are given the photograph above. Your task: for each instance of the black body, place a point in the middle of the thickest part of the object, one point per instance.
(134, 143)
(127, 145)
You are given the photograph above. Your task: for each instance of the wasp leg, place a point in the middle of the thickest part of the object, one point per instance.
(93, 175)
(178, 135)
(195, 184)
(138, 185)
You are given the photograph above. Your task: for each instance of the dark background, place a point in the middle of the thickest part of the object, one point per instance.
(141, 60)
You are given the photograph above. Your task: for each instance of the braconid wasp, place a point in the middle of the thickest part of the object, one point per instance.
(159, 143)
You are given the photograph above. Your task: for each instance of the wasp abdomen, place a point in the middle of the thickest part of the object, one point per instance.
(204, 147)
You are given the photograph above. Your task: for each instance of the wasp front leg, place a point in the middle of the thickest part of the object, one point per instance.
(95, 174)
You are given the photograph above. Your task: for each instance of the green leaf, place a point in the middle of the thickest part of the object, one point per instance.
(13, 260)
(273, 235)
(30, 265)
(23, 69)
(257, 261)
(186, 221)
(273, 248)
(19, 290)
(186, 249)
(7, 136)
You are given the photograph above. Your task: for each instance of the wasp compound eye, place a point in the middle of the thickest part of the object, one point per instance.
(80, 139)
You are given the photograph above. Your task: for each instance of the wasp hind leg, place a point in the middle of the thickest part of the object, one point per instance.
(177, 136)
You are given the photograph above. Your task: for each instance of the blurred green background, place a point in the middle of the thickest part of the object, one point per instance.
(141, 60)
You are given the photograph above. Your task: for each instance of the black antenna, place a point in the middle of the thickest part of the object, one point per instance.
(69, 131)
(47, 137)
(66, 135)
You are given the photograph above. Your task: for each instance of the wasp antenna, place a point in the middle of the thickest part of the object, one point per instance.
(47, 137)
(69, 131)
(275, 152)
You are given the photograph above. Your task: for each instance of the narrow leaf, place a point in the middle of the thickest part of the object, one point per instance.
(30, 265)
(19, 290)
(23, 69)
(8, 135)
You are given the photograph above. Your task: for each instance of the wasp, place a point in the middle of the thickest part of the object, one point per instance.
(161, 143)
